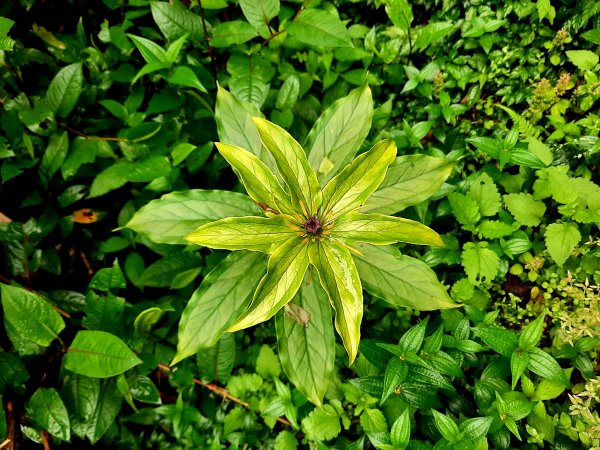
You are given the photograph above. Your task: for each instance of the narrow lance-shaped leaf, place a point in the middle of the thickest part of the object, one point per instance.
(352, 186)
(286, 268)
(400, 280)
(378, 229)
(64, 89)
(408, 181)
(340, 280)
(337, 135)
(292, 163)
(221, 298)
(260, 183)
(307, 350)
(243, 233)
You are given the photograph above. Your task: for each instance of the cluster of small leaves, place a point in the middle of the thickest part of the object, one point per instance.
(110, 111)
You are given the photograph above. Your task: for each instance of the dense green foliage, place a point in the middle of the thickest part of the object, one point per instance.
(110, 111)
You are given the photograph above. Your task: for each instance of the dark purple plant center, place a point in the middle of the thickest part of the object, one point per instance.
(312, 225)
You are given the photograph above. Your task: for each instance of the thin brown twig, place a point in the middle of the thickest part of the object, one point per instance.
(222, 392)
(45, 439)
(87, 136)
(5, 443)
(4, 219)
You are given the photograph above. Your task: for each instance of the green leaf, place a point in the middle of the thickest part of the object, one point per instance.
(231, 33)
(338, 133)
(395, 373)
(103, 313)
(561, 239)
(93, 405)
(465, 209)
(235, 126)
(400, 13)
(288, 93)
(339, 278)
(433, 32)
(498, 339)
(55, 154)
(286, 441)
(215, 363)
(176, 215)
(307, 351)
(592, 36)
(259, 12)
(257, 178)
(64, 89)
(446, 426)
(541, 151)
(184, 76)
(109, 278)
(544, 365)
(525, 208)
(243, 233)
(373, 421)
(320, 29)
(481, 264)
(82, 151)
(322, 424)
(400, 432)
(115, 176)
(378, 229)
(532, 333)
(285, 271)
(352, 186)
(267, 363)
(519, 360)
(13, 373)
(221, 298)
(477, 427)
(47, 412)
(151, 52)
(175, 20)
(409, 181)
(583, 59)
(175, 271)
(545, 9)
(548, 389)
(400, 280)
(99, 354)
(292, 163)
(29, 316)
(484, 192)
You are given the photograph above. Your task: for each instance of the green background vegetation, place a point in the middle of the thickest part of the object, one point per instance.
(108, 106)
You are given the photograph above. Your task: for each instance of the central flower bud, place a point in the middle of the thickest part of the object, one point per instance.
(312, 225)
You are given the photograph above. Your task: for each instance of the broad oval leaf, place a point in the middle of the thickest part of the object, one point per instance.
(243, 233)
(409, 181)
(28, 316)
(259, 12)
(352, 186)
(307, 351)
(378, 229)
(223, 295)
(175, 20)
(47, 412)
(285, 271)
(320, 28)
(168, 219)
(259, 181)
(337, 135)
(401, 280)
(339, 278)
(99, 354)
(64, 89)
(292, 164)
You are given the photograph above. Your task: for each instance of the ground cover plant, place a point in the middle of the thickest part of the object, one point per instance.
(143, 142)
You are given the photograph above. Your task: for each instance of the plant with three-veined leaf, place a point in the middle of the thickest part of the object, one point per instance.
(306, 226)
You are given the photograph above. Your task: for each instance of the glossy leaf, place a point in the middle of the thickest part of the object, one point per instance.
(320, 29)
(378, 229)
(307, 352)
(357, 181)
(339, 278)
(292, 164)
(519, 360)
(260, 183)
(174, 20)
(498, 339)
(544, 365)
(409, 181)
(243, 233)
(221, 298)
(285, 271)
(259, 12)
(338, 134)
(29, 316)
(175, 215)
(64, 89)
(395, 373)
(532, 333)
(446, 426)
(400, 280)
(100, 355)
(47, 412)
